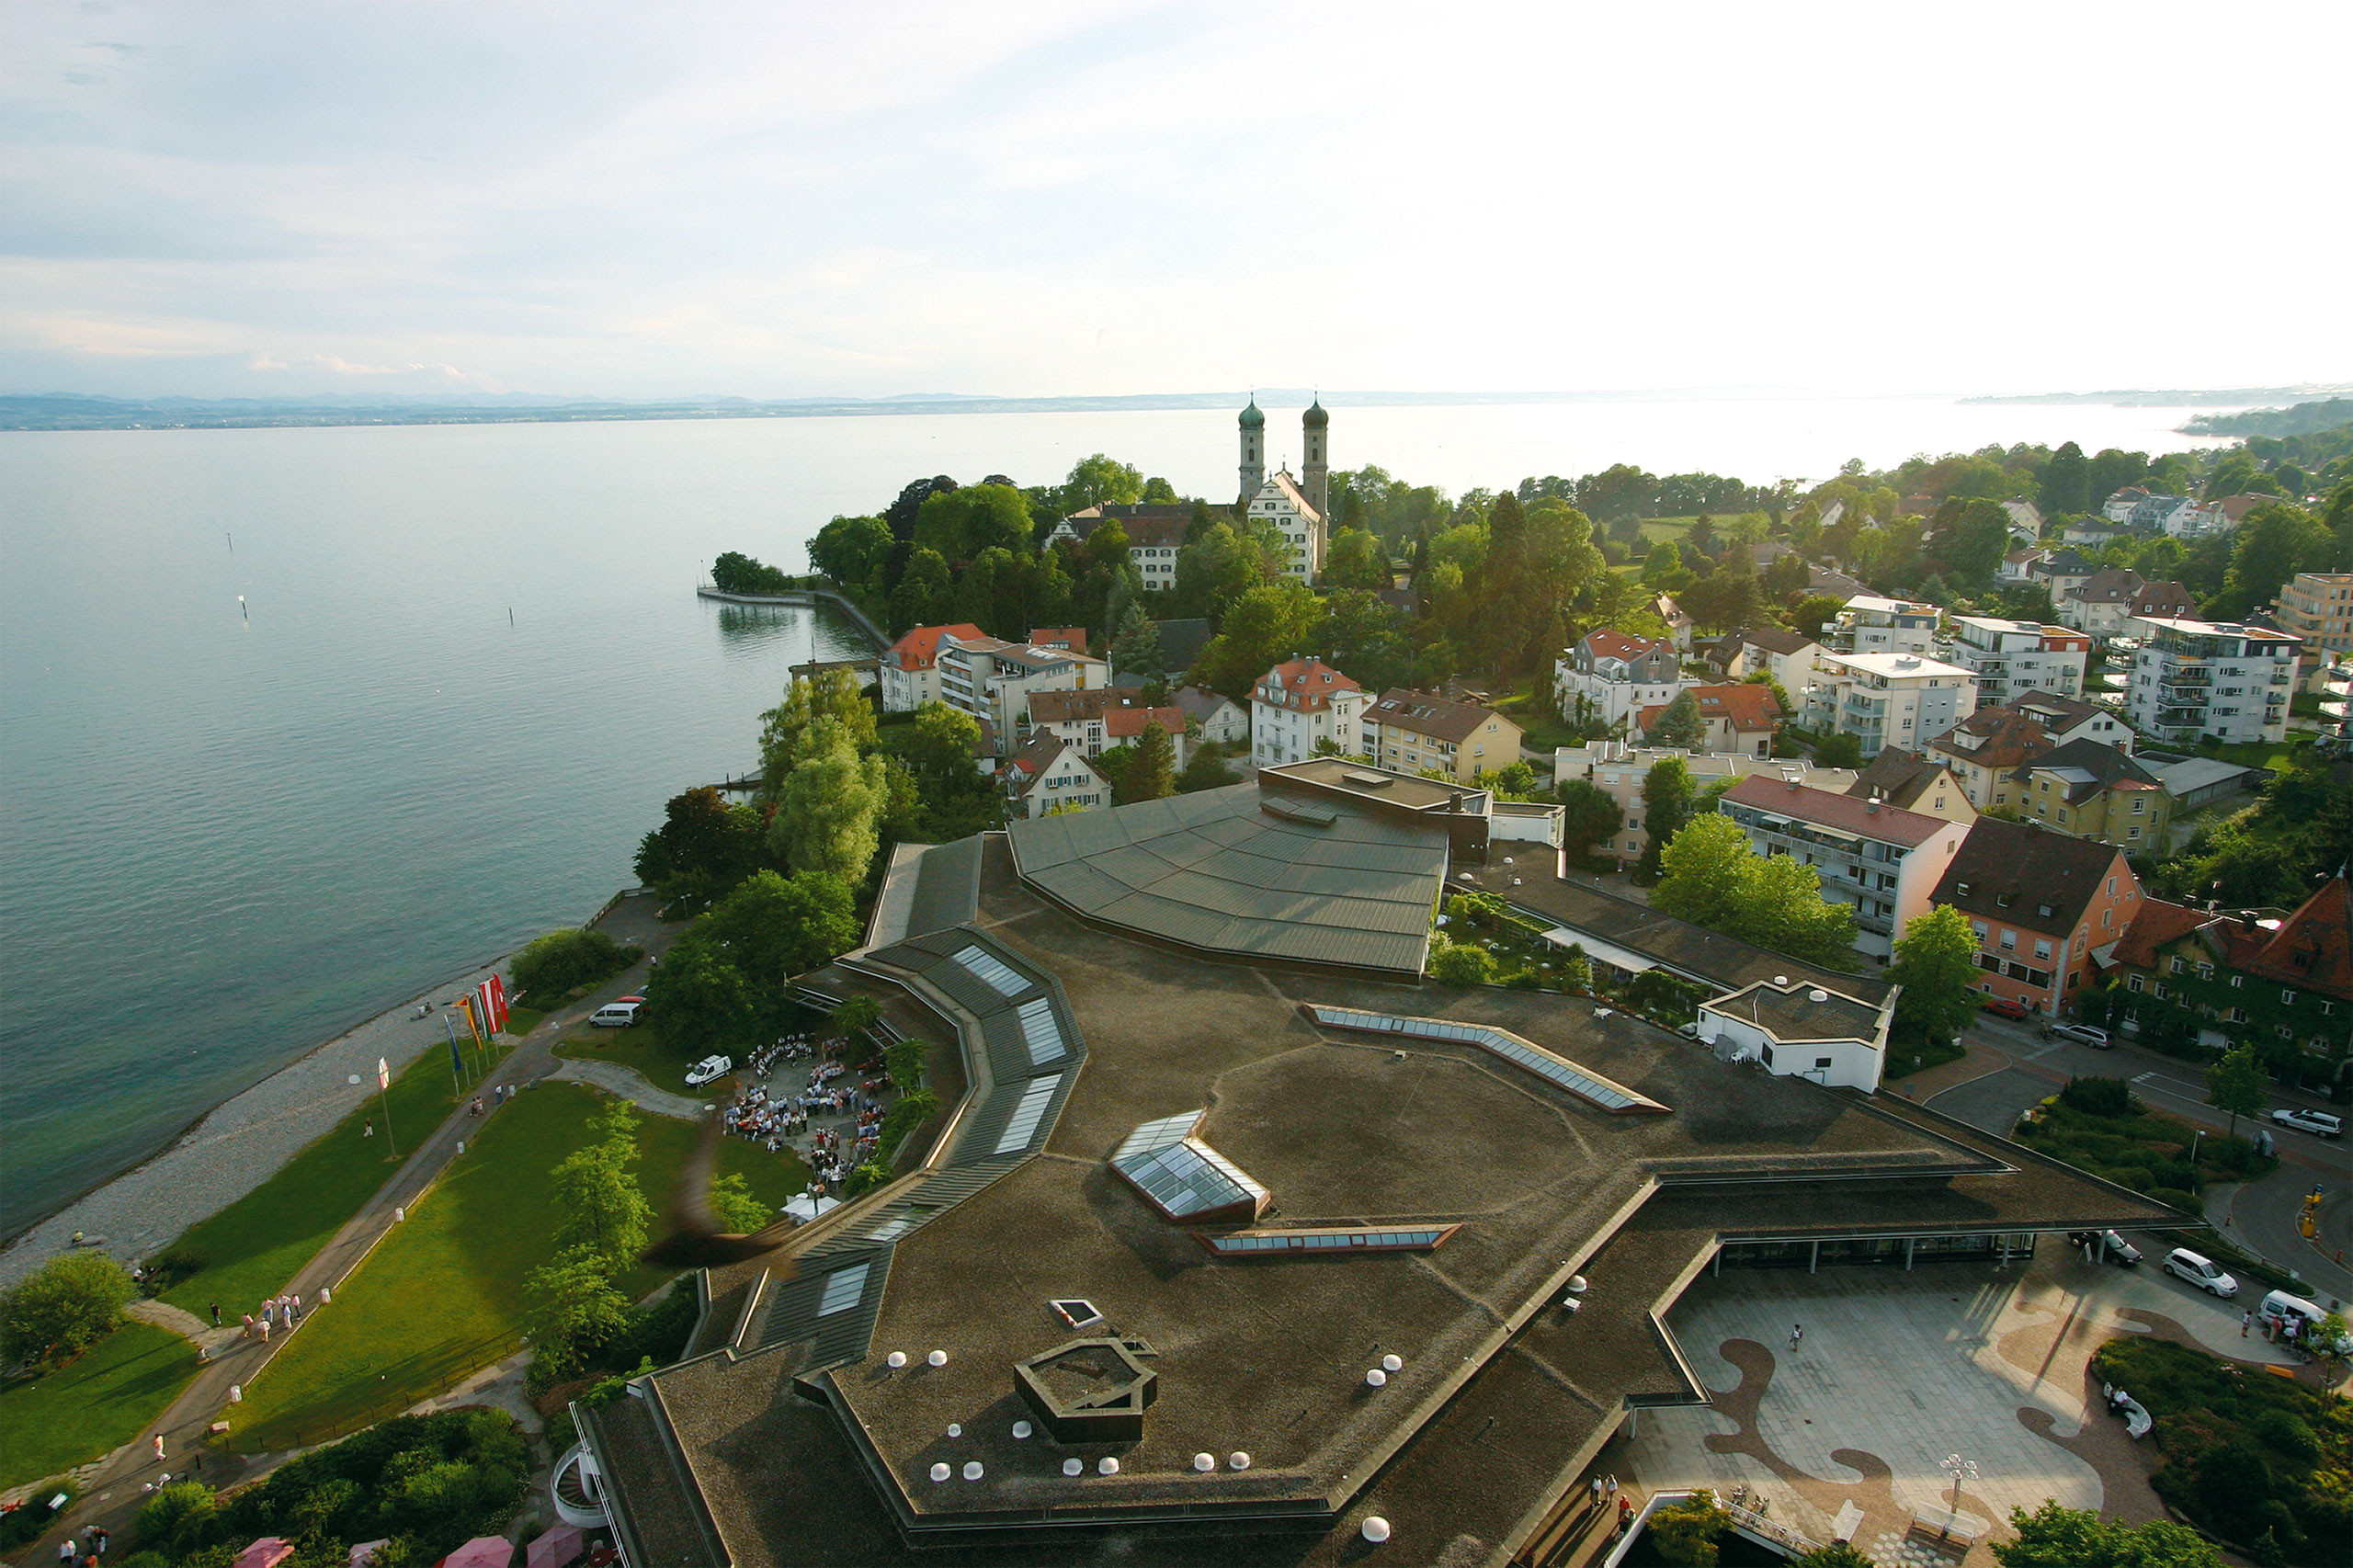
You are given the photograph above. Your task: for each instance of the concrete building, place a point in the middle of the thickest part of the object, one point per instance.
(1097, 720)
(1411, 730)
(2110, 602)
(2197, 678)
(910, 670)
(1049, 773)
(2318, 608)
(1985, 750)
(1915, 781)
(1788, 657)
(1887, 699)
(1300, 702)
(1873, 625)
(2044, 907)
(2067, 719)
(1618, 769)
(993, 679)
(1280, 501)
(1800, 1030)
(2158, 601)
(1881, 859)
(1610, 676)
(1062, 639)
(2019, 565)
(2089, 791)
(2011, 656)
(2061, 572)
(1738, 718)
(1222, 720)
(1156, 531)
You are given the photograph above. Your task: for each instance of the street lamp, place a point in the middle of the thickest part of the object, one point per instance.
(2195, 1137)
(1960, 1469)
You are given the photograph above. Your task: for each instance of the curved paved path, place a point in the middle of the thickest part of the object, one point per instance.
(630, 1084)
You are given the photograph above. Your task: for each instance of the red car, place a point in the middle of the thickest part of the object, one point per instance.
(2002, 1008)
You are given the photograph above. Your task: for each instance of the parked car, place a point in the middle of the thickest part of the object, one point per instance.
(2113, 1248)
(2003, 1008)
(2083, 1034)
(708, 1068)
(2281, 1308)
(2320, 1123)
(2200, 1271)
(618, 1014)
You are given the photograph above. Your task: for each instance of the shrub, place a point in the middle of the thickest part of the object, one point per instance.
(169, 1266)
(20, 1527)
(1455, 963)
(64, 1307)
(2175, 1198)
(2286, 1433)
(903, 1062)
(1687, 1531)
(2098, 1096)
(179, 1519)
(562, 961)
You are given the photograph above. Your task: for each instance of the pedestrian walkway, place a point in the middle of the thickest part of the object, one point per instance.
(630, 1084)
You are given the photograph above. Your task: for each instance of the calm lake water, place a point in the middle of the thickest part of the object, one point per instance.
(227, 835)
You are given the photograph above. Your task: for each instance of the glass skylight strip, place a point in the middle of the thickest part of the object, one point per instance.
(1159, 1134)
(1552, 1069)
(1028, 1113)
(893, 1228)
(1040, 1032)
(1188, 1177)
(843, 1290)
(999, 978)
(1353, 1238)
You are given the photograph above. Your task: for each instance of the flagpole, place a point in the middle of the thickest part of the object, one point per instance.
(457, 1079)
(384, 1098)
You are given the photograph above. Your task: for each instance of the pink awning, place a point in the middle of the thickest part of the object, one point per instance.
(267, 1552)
(482, 1551)
(556, 1548)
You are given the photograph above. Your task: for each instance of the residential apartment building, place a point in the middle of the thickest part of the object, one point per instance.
(2011, 656)
(2318, 608)
(2041, 905)
(1098, 720)
(910, 670)
(1984, 752)
(2108, 602)
(2019, 565)
(1280, 501)
(1300, 702)
(1411, 730)
(2092, 790)
(993, 679)
(1062, 639)
(1738, 718)
(1609, 676)
(2283, 985)
(1872, 625)
(1618, 769)
(1915, 781)
(1881, 859)
(2062, 573)
(2196, 678)
(1788, 657)
(2067, 719)
(1888, 700)
(1049, 772)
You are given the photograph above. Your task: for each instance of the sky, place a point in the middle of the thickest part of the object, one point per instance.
(1031, 198)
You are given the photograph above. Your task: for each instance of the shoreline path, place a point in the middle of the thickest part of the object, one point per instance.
(112, 1492)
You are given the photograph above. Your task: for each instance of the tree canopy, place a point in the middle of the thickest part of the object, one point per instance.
(1935, 963)
(1710, 876)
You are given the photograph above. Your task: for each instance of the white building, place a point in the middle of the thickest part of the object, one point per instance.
(1873, 625)
(1887, 699)
(1097, 720)
(1799, 1030)
(2065, 720)
(2196, 678)
(1156, 531)
(910, 670)
(1050, 772)
(1618, 769)
(1788, 657)
(1610, 676)
(991, 679)
(1300, 702)
(2008, 657)
(1883, 860)
(1222, 720)
(1280, 501)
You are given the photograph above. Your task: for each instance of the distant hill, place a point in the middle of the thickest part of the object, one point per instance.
(2304, 419)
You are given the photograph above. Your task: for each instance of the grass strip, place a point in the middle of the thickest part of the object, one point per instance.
(93, 1404)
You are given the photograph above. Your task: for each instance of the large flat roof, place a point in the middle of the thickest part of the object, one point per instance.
(1281, 878)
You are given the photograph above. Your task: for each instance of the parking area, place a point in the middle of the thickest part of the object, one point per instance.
(1896, 1371)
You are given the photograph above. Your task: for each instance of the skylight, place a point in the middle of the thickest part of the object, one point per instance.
(1558, 1071)
(1028, 1113)
(843, 1290)
(1329, 1239)
(1040, 1032)
(1156, 1135)
(999, 978)
(1188, 1179)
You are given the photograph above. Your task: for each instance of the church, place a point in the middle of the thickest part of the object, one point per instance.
(1299, 507)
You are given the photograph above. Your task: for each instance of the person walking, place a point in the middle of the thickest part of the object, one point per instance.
(371, 1130)
(1597, 1492)
(98, 1540)
(2246, 1321)
(66, 1552)
(1797, 1333)
(159, 1445)
(216, 1315)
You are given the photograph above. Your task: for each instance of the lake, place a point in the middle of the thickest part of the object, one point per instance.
(297, 722)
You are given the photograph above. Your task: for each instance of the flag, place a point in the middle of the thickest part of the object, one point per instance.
(383, 1074)
(456, 1063)
(471, 1002)
(492, 994)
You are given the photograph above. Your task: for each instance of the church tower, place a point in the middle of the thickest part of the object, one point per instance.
(1254, 452)
(1314, 472)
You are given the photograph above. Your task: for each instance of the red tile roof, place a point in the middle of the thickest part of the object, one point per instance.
(1127, 723)
(919, 649)
(2157, 926)
(1070, 637)
(1427, 714)
(2314, 946)
(2009, 738)
(1607, 644)
(1307, 685)
(1888, 824)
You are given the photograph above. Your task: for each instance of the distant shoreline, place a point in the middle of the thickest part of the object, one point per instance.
(64, 412)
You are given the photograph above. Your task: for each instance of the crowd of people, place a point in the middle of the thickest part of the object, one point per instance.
(777, 1120)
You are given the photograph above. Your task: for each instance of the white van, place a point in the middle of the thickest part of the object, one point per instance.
(2279, 1308)
(615, 1015)
(2200, 1271)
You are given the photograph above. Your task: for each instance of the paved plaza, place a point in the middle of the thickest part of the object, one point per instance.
(1896, 1371)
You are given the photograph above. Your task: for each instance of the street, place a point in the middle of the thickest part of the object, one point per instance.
(2261, 1215)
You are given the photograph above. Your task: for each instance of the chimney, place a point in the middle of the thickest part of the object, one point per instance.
(2248, 918)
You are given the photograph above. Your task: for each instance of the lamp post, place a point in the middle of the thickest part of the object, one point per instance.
(1960, 1469)
(2194, 1141)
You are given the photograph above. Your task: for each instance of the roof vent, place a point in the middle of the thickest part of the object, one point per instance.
(1817, 995)
(1782, 981)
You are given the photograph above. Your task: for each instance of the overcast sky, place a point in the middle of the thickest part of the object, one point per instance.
(788, 200)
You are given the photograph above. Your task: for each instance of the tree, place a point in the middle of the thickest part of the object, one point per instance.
(1935, 963)
(962, 524)
(901, 513)
(600, 1208)
(774, 927)
(736, 573)
(788, 730)
(2238, 1085)
(1667, 805)
(830, 809)
(1591, 814)
(1356, 560)
(1152, 772)
(560, 962)
(1839, 750)
(698, 997)
(736, 1208)
(1703, 873)
(2065, 489)
(1813, 612)
(1687, 1532)
(2274, 543)
(703, 847)
(851, 551)
(1266, 625)
(2053, 1537)
(571, 1305)
(1680, 723)
(64, 1307)
(953, 797)
(1837, 1554)
(1664, 567)
(1205, 769)
(1101, 481)
(1710, 876)
(1136, 648)
(179, 1519)
(1460, 963)
(1967, 540)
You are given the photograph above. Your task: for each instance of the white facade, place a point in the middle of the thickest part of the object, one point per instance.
(1881, 859)
(2195, 678)
(1888, 700)
(1295, 705)
(1280, 501)
(1797, 1031)
(2008, 657)
(1223, 721)
(1618, 769)
(1872, 625)
(991, 679)
(1609, 677)
(1053, 773)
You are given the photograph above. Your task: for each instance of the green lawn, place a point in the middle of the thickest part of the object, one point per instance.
(94, 1404)
(521, 1021)
(641, 1046)
(444, 1295)
(252, 1248)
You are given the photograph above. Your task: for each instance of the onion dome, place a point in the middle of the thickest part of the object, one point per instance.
(1315, 419)
(1251, 418)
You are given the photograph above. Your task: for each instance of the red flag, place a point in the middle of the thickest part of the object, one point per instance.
(383, 1074)
(493, 992)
